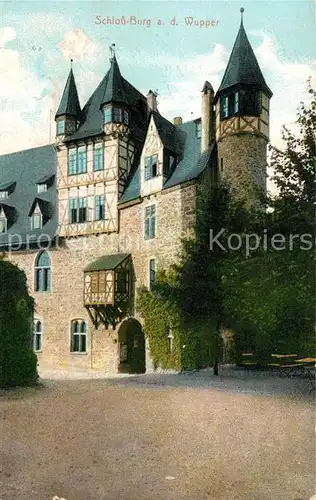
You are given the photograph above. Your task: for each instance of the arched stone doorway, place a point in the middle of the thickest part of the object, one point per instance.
(131, 347)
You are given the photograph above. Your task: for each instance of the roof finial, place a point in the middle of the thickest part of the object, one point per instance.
(242, 10)
(112, 51)
(71, 61)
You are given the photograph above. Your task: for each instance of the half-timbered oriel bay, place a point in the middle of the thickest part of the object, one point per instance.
(91, 217)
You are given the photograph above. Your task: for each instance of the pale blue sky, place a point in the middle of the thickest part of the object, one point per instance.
(40, 38)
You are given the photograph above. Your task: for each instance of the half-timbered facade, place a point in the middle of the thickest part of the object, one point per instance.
(92, 217)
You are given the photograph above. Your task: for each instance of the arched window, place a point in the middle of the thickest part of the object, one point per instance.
(78, 336)
(43, 273)
(37, 335)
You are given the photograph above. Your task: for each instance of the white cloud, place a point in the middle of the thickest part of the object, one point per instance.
(80, 47)
(28, 100)
(7, 34)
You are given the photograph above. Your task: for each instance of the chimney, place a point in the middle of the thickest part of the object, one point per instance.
(152, 100)
(207, 117)
(177, 121)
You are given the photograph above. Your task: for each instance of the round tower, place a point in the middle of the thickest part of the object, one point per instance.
(242, 120)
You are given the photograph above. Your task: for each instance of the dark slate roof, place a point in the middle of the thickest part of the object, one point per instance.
(69, 104)
(107, 262)
(92, 116)
(25, 168)
(171, 136)
(243, 67)
(207, 86)
(114, 90)
(190, 166)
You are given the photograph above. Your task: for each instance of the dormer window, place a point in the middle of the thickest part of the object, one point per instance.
(3, 222)
(41, 188)
(6, 189)
(37, 218)
(44, 183)
(115, 114)
(4, 195)
(151, 167)
(60, 126)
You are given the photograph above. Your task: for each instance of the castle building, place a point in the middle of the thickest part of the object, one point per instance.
(91, 218)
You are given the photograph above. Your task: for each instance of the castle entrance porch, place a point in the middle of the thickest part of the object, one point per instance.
(131, 347)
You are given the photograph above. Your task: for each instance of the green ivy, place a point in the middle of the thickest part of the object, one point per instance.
(18, 362)
(192, 347)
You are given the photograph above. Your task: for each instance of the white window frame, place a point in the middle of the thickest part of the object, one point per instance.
(95, 206)
(77, 207)
(80, 334)
(4, 220)
(42, 274)
(41, 188)
(37, 213)
(97, 147)
(60, 127)
(149, 238)
(37, 333)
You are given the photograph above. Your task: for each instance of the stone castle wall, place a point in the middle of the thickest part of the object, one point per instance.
(175, 218)
(244, 162)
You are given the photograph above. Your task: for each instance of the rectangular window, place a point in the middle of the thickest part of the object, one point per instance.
(152, 273)
(117, 115)
(72, 161)
(236, 102)
(60, 127)
(42, 279)
(3, 225)
(78, 211)
(37, 336)
(41, 188)
(82, 160)
(99, 207)
(82, 214)
(198, 129)
(78, 336)
(125, 117)
(36, 221)
(222, 164)
(107, 115)
(122, 282)
(150, 222)
(3, 195)
(224, 107)
(151, 167)
(98, 157)
(73, 211)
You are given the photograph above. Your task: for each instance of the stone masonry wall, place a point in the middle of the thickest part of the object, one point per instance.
(56, 309)
(244, 162)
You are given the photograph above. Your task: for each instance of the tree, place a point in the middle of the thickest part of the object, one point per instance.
(272, 295)
(197, 289)
(17, 359)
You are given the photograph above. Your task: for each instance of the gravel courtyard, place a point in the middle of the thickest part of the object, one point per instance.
(159, 437)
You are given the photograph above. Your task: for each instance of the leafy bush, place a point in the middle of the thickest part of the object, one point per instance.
(17, 360)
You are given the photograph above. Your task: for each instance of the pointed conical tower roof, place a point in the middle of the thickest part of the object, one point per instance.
(114, 90)
(243, 67)
(69, 103)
